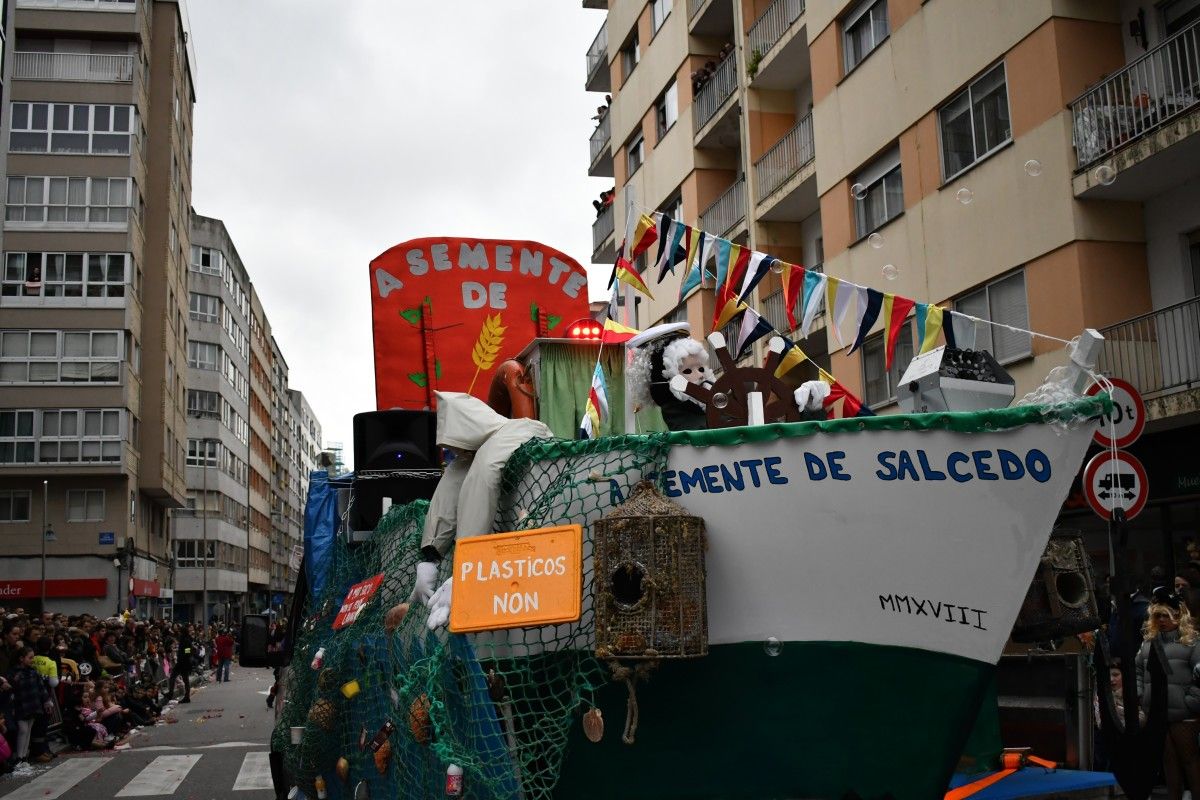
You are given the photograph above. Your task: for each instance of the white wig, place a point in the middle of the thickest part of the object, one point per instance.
(673, 355)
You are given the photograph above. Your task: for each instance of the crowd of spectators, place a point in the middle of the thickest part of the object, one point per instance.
(702, 76)
(93, 681)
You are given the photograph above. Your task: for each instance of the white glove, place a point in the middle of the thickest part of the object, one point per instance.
(427, 573)
(811, 395)
(439, 606)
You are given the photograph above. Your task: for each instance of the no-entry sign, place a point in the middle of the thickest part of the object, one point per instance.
(1128, 418)
(1113, 480)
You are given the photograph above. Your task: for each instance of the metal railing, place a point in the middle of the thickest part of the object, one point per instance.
(713, 94)
(82, 5)
(73, 67)
(1157, 352)
(772, 25)
(726, 211)
(602, 228)
(597, 53)
(600, 138)
(1138, 98)
(785, 158)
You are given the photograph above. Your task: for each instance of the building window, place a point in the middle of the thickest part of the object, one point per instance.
(975, 122)
(863, 29)
(60, 356)
(202, 452)
(203, 404)
(1004, 302)
(203, 355)
(880, 382)
(878, 192)
(71, 128)
(666, 111)
(659, 11)
(71, 436)
(631, 54)
(204, 307)
(82, 200)
(207, 260)
(192, 553)
(14, 505)
(85, 505)
(635, 153)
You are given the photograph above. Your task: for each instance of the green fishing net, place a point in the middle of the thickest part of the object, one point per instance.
(498, 704)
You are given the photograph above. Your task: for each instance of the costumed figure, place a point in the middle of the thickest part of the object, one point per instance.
(464, 503)
(661, 353)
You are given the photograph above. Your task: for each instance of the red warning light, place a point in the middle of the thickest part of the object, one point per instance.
(585, 329)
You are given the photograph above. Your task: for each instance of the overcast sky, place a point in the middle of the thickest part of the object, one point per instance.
(327, 132)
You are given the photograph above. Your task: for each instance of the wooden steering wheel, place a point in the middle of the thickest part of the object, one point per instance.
(726, 401)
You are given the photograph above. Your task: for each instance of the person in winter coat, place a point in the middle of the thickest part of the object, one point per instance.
(184, 654)
(464, 503)
(1169, 622)
(31, 701)
(224, 650)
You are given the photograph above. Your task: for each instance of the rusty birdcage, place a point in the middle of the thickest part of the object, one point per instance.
(650, 588)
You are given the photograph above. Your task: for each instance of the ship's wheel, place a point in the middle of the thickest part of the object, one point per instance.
(727, 400)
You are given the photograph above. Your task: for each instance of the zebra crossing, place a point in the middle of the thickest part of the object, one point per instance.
(82, 776)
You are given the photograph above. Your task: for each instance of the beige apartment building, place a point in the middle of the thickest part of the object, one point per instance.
(98, 138)
(1032, 163)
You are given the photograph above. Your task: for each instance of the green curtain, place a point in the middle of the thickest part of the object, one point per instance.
(566, 375)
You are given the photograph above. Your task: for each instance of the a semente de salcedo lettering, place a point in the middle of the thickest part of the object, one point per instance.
(945, 612)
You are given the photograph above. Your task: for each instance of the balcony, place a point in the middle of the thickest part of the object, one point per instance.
(785, 177)
(727, 212)
(604, 250)
(778, 48)
(714, 117)
(599, 79)
(1159, 352)
(84, 67)
(601, 163)
(710, 18)
(1135, 133)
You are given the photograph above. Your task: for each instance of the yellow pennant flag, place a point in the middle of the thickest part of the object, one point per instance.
(933, 326)
(730, 310)
(793, 358)
(628, 276)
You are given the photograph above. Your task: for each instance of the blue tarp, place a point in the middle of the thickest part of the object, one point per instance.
(1037, 782)
(320, 528)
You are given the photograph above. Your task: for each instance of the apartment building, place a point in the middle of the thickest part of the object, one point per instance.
(97, 133)
(1035, 164)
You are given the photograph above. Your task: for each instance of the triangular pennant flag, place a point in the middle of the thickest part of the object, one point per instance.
(841, 304)
(644, 235)
(727, 312)
(948, 330)
(851, 405)
(964, 331)
(709, 253)
(896, 315)
(760, 263)
(664, 230)
(930, 327)
(814, 295)
(627, 275)
(793, 284)
(920, 317)
(691, 280)
(754, 327)
(791, 358)
(869, 314)
(669, 254)
(725, 304)
(612, 276)
(615, 332)
(595, 411)
(723, 248)
(695, 241)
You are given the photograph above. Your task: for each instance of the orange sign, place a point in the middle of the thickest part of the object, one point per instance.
(517, 580)
(447, 311)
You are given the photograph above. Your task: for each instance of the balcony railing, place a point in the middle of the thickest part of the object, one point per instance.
(785, 158)
(81, 5)
(597, 54)
(1157, 352)
(772, 25)
(602, 228)
(1161, 85)
(714, 93)
(600, 138)
(73, 67)
(727, 211)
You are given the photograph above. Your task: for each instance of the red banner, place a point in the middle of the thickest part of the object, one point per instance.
(76, 587)
(356, 600)
(447, 311)
(143, 588)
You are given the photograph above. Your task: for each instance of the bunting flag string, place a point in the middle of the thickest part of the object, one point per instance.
(791, 357)
(754, 327)
(868, 312)
(671, 254)
(895, 313)
(760, 264)
(644, 235)
(813, 295)
(844, 293)
(627, 275)
(793, 284)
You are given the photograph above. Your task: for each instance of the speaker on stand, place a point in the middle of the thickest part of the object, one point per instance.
(396, 461)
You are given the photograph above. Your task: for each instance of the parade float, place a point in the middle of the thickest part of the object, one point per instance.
(757, 604)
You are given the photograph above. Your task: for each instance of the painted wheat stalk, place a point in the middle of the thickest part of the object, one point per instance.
(487, 346)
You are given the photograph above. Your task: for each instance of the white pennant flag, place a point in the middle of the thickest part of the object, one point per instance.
(815, 298)
(750, 319)
(965, 331)
(841, 305)
(751, 268)
(861, 293)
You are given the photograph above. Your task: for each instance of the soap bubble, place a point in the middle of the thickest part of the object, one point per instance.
(720, 400)
(777, 267)
(875, 240)
(1033, 168)
(890, 272)
(1105, 175)
(772, 646)
(965, 196)
(858, 191)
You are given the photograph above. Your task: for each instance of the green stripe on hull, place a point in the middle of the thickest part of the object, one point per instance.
(817, 721)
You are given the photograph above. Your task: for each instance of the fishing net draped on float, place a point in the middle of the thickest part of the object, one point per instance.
(499, 704)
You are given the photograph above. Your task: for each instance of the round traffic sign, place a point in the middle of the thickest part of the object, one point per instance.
(1128, 419)
(1113, 480)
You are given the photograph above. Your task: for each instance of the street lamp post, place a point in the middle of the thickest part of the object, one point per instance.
(45, 502)
(204, 536)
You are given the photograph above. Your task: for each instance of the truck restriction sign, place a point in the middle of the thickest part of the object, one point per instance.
(1128, 418)
(1116, 480)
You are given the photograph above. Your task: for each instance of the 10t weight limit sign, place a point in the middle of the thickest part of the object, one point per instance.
(1128, 418)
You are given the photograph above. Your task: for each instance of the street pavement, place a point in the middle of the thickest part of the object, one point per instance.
(216, 749)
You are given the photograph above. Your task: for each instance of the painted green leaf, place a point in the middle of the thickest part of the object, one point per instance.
(553, 320)
(437, 368)
(413, 315)
(419, 378)
(533, 312)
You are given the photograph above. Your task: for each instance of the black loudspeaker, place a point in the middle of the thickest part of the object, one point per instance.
(395, 457)
(1061, 601)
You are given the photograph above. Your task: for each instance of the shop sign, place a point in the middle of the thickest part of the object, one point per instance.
(75, 587)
